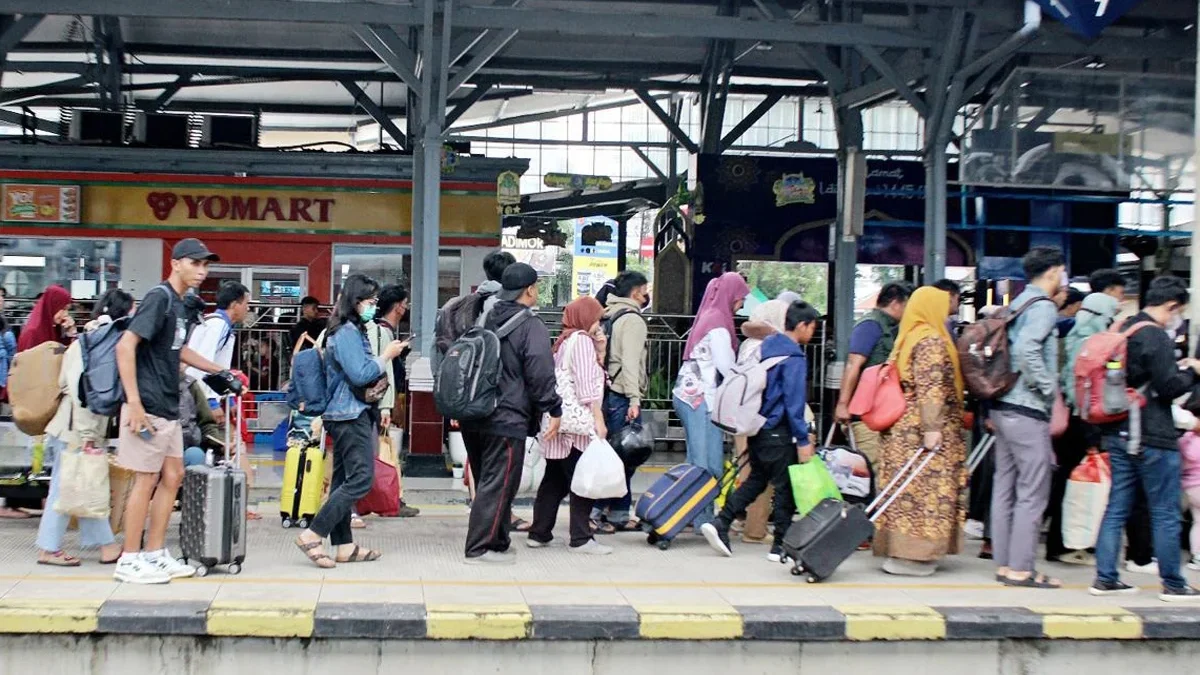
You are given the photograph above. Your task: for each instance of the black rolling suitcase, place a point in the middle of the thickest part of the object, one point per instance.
(820, 541)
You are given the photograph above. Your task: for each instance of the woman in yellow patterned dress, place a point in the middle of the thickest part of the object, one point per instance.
(924, 524)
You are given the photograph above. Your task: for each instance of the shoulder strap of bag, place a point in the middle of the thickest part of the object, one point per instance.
(511, 325)
(1128, 332)
(1013, 315)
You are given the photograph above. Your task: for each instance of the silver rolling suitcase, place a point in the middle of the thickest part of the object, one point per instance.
(212, 530)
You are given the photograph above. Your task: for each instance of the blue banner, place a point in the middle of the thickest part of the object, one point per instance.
(1087, 17)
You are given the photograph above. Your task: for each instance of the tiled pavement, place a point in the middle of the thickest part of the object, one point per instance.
(421, 588)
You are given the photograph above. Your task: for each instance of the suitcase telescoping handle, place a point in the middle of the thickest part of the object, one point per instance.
(979, 452)
(233, 415)
(847, 430)
(900, 482)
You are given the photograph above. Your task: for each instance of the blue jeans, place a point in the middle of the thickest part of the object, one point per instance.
(52, 529)
(705, 447)
(616, 409)
(1159, 472)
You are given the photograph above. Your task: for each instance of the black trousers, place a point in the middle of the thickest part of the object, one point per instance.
(771, 453)
(1069, 451)
(355, 444)
(496, 463)
(556, 484)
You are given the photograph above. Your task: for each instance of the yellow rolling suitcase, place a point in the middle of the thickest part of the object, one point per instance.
(303, 480)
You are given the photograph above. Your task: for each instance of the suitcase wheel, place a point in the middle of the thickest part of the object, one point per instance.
(202, 571)
(286, 523)
(235, 568)
(664, 544)
(796, 571)
(302, 523)
(652, 538)
(811, 579)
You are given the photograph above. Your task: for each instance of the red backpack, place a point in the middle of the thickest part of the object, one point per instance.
(1101, 393)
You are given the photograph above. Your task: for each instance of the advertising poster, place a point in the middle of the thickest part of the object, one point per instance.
(595, 259)
(41, 203)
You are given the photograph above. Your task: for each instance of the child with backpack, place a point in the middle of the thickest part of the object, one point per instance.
(784, 436)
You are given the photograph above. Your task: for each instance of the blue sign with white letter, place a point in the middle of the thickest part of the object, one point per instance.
(1087, 17)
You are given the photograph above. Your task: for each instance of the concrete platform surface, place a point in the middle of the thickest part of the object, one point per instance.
(422, 589)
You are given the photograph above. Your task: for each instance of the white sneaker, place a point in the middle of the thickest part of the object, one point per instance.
(1150, 568)
(173, 568)
(973, 529)
(1194, 564)
(593, 547)
(134, 569)
(534, 543)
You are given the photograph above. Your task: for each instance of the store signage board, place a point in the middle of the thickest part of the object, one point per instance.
(24, 203)
(1087, 17)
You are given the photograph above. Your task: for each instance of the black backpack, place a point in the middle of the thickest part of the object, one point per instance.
(467, 386)
(607, 325)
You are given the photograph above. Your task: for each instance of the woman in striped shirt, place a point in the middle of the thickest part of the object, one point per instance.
(578, 355)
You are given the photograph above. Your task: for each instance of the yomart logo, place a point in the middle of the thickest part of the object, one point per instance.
(237, 207)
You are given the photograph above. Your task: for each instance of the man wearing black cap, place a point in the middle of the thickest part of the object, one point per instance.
(496, 445)
(151, 439)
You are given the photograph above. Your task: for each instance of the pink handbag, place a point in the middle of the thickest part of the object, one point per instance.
(879, 400)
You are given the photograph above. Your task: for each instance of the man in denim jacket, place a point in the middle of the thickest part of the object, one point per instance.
(1024, 457)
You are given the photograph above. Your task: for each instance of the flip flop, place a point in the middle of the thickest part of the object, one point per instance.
(627, 526)
(603, 527)
(367, 556)
(1035, 580)
(521, 525)
(321, 560)
(357, 523)
(60, 559)
(13, 514)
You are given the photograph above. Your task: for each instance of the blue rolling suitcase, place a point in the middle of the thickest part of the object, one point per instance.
(674, 501)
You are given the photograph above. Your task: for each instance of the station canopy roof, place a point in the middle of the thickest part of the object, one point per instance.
(300, 62)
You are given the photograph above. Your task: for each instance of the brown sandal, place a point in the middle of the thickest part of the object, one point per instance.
(361, 555)
(321, 560)
(60, 559)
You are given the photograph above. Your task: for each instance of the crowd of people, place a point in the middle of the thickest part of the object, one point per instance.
(591, 381)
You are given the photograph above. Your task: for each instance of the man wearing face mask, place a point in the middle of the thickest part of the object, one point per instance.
(1149, 453)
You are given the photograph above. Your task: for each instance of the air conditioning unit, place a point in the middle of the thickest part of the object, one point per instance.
(161, 130)
(97, 127)
(225, 131)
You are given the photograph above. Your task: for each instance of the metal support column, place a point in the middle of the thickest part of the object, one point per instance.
(1194, 324)
(427, 177)
(842, 238)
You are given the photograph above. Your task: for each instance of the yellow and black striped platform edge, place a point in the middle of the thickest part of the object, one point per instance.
(594, 622)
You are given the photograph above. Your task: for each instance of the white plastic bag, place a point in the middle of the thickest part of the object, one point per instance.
(1085, 501)
(600, 474)
(534, 468)
(82, 484)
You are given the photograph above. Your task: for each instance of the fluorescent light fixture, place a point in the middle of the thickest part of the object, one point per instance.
(23, 261)
(1127, 257)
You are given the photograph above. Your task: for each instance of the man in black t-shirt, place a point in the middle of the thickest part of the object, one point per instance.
(309, 327)
(151, 439)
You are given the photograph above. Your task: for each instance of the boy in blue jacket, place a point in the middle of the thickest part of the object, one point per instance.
(784, 437)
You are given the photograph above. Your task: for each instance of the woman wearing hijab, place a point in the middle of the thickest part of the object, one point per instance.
(1094, 316)
(579, 351)
(50, 320)
(707, 357)
(925, 522)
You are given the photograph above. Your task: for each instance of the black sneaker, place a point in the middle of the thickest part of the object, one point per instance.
(1112, 588)
(1185, 594)
(718, 538)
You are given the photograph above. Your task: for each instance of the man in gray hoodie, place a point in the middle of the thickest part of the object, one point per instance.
(460, 314)
(1024, 457)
